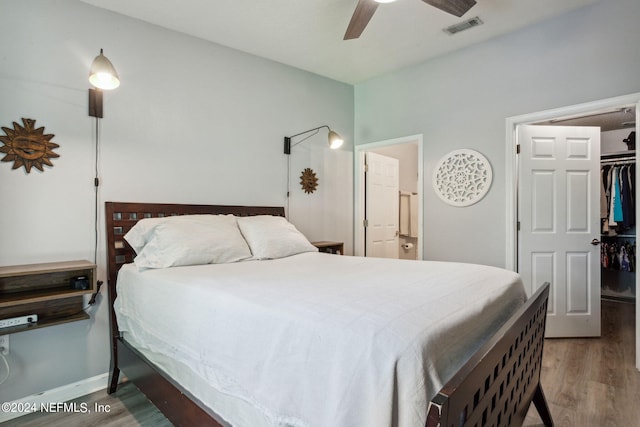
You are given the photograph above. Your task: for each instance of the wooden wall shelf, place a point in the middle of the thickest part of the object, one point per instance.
(45, 290)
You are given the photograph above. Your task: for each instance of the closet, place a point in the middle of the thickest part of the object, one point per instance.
(618, 228)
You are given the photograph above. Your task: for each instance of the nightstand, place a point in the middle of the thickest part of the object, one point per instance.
(330, 247)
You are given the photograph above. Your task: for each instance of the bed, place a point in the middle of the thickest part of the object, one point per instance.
(318, 339)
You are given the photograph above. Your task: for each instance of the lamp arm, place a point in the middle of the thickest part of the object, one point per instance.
(305, 138)
(307, 131)
(287, 139)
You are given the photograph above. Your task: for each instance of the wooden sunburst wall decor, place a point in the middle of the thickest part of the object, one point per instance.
(309, 181)
(27, 146)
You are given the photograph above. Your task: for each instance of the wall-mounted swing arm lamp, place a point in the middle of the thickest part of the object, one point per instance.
(334, 140)
(103, 76)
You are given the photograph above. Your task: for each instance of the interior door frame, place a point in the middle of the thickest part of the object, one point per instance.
(511, 173)
(359, 191)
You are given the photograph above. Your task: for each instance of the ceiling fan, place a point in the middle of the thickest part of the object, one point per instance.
(365, 9)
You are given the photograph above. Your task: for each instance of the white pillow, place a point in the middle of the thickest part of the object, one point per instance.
(142, 231)
(187, 240)
(271, 237)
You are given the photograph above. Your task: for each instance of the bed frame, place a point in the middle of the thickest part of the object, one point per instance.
(494, 388)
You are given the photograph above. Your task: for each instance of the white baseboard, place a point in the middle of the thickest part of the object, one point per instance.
(56, 395)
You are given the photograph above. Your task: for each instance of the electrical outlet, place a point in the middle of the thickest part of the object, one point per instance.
(4, 344)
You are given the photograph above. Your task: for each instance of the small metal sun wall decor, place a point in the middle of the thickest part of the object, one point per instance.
(27, 146)
(309, 181)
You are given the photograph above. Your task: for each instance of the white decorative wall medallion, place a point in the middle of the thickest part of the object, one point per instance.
(462, 177)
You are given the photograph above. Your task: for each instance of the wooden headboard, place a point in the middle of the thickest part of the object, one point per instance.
(120, 217)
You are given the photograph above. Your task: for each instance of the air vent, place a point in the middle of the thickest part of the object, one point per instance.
(469, 23)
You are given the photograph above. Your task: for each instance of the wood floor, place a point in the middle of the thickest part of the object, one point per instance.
(127, 407)
(593, 381)
(587, 382)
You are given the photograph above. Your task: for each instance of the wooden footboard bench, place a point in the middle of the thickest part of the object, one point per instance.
(499, 382)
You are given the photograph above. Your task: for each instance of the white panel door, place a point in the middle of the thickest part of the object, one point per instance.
(382, 181)
(559, 216)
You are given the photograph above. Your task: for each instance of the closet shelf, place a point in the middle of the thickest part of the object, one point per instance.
(627, 153)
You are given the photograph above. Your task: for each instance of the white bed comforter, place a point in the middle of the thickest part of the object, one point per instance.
(317, 339)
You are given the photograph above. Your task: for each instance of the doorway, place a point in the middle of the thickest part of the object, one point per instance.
(408, 151)
(545, 117)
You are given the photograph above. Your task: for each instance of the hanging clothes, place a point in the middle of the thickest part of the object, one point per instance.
(617, 199)
(628, 209)
(618, 255)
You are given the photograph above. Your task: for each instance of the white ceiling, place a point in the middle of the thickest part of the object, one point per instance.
(308, 34)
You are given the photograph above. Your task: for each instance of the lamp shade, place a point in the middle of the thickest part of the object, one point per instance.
(103, 75)
(335, 140)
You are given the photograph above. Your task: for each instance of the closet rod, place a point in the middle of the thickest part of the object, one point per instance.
(617, 162)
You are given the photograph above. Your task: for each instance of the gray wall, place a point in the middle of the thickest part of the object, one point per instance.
(461, 101)
(192, 122)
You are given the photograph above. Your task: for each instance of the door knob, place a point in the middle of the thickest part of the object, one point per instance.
(595, 242)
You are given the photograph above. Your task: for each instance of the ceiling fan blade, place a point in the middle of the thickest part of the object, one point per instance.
(361, 17)
(454, 7)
